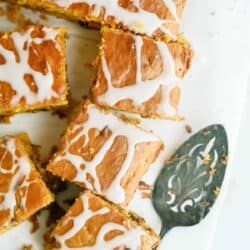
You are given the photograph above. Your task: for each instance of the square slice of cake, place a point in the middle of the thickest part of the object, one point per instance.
(32, 69)
(140, 75)
(105, 154)
(93, 223)
(158, 18)
(22, 190)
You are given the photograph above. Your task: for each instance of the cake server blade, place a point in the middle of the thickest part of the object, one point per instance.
(189, 183)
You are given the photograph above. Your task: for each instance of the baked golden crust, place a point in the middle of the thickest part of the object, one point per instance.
(156, 18)
(105, 154)
(97, 224)
(32, 69)
(137, 74)
(22, 190)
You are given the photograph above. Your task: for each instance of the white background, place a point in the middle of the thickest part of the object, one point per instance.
(215, 90)
(229, 25)
(233, 231)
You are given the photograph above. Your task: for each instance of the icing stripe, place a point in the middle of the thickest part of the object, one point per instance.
(168, 79)
(20, 168)
(141, 21)
(13, 71)
(101, 121)
(131, 237)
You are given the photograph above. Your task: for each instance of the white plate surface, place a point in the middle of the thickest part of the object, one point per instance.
(214, 91)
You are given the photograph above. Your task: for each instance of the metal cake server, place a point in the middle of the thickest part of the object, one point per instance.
(189, 183)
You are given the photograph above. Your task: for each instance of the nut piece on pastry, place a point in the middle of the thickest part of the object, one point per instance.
(32, 69)
(158, 18)
(105, 154)
(22, 190)
(140, 75)
(93, 223)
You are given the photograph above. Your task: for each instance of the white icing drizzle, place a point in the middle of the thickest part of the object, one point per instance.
(142, 21)
(143, 90)
(13, 72)
(20, 169)
(165, 108)
(79, 221)
(131, 238)
(100, 120)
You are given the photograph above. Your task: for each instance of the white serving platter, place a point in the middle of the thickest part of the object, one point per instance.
(214, 91)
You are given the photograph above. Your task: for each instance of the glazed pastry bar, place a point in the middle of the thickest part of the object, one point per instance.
(103, 153)
(22, 190)
(152, 17)
(92, 223)
(138, 74)
(32, 69)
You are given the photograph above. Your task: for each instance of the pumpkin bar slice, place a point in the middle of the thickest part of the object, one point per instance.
(32, 69)
(103, 153)
(138, 74)
(22, 190)
(158, 18)
(93, 223)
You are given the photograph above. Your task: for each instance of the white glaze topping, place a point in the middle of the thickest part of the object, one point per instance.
(101, 121)
(142, 91)
(13, 72)
(20, 170)
(131, 238)
(141, 21)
